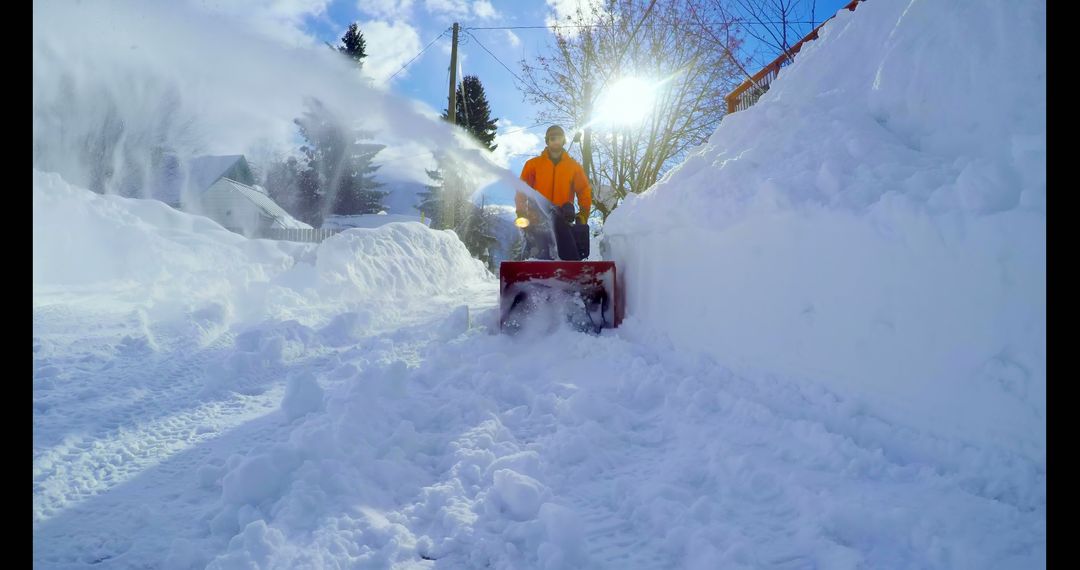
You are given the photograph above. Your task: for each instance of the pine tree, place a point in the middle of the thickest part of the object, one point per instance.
(353, 45)
(282, 184)
(358, 192)
(477, 235)
(430, 203)
(473, 111)
(517, 248)
(339, 169)
(445, 201)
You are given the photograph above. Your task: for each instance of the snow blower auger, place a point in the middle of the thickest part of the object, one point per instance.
(584, 293)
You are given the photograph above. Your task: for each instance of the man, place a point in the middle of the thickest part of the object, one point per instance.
(558, 178)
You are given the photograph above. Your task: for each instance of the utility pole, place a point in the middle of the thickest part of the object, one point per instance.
(586, 140)
(451, 111)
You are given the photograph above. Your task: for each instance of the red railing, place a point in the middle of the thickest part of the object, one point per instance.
(750, 90)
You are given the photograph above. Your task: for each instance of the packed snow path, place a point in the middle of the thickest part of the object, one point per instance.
(439, 445)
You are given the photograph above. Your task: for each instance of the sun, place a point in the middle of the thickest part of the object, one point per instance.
(626, 102)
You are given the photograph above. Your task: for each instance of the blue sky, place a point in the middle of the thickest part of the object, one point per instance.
(397, 30)
(416, 24)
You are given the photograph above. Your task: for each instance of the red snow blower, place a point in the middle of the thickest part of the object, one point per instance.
(539, 291)
(584, 293)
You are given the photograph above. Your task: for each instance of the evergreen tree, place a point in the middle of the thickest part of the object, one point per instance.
(353, 45)
(338, 177)
(476, 232)
(473, 111)
(517, 248)
(358, 192)
(282, 184)
(295, 187)
(430, 204)
(445, 200)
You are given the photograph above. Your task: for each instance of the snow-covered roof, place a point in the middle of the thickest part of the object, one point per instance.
(204, 171)
(266, 204)
(198, 173)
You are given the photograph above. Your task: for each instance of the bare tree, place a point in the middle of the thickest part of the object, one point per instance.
(614, 39)
(777, 25)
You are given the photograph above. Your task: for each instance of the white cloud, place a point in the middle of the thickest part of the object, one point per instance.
(461, 9)
(386, 9)
(513, 38)
(564, 8)
(484, 10)
(452, 8)
(398, 42)
(513, 141)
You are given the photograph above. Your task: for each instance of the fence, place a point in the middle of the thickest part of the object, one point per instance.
(746, 94)
(297, 234)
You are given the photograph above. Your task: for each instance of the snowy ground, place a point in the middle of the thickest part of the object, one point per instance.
(419, 438)
(443, 447)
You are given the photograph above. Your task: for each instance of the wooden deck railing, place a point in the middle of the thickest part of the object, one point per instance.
(753, 88)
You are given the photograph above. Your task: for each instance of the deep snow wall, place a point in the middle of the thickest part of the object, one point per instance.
(875, 223)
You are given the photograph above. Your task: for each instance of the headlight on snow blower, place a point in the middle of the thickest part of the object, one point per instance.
(522, 222)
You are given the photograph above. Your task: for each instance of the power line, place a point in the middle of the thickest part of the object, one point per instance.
(555, 26)
(419, 54)
(536, 27)
(494, 56)
(544, 95)
(523, 129)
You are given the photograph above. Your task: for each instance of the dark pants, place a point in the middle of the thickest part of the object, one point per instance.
(538, 237)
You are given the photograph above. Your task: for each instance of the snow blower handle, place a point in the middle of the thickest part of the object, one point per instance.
(567, 212)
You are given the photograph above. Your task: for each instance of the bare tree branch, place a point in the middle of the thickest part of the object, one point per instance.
(693, 63)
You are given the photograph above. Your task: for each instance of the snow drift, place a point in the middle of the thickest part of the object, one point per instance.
(875, 223)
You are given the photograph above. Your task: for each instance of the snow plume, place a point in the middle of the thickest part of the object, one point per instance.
(875, 223)
(118, 85)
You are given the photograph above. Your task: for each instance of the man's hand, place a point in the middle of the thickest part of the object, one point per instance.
(583, 217)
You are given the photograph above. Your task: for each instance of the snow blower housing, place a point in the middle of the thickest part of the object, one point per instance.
(587, 290)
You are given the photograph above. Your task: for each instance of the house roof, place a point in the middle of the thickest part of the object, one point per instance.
(263, 202)
(199, 173)
(204, 171)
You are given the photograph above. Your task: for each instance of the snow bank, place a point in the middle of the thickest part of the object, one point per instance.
(173, 264)
(335, 222)
(876, 223)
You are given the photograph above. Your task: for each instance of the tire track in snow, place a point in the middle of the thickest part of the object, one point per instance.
(138, 408)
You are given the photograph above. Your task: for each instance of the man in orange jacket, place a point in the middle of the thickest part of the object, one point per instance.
(558, 178)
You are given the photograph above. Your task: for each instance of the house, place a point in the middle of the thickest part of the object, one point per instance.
(223, 189)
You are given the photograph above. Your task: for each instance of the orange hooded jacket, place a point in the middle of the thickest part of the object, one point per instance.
(556, 182)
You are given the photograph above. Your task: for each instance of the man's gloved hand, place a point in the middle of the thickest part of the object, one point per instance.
(583, 217)
(566, 211)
